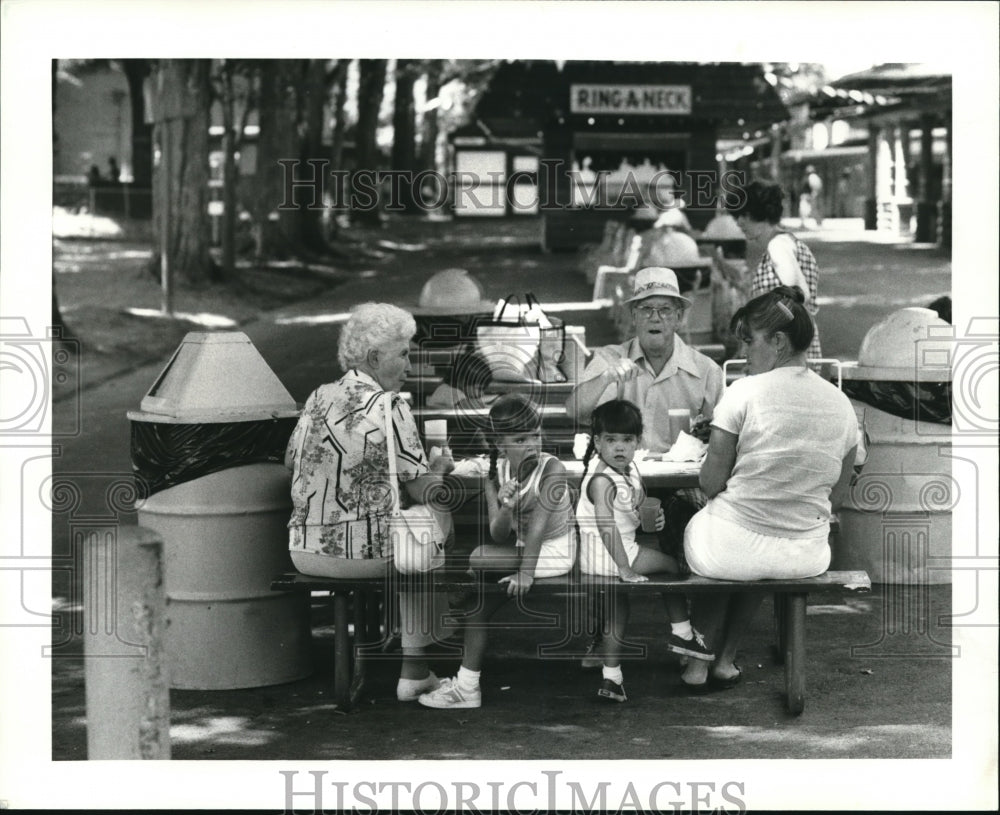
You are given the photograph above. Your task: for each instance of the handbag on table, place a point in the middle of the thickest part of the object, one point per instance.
(522, 343)
(416, 536)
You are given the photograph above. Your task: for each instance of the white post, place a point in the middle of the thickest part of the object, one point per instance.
(127, 688)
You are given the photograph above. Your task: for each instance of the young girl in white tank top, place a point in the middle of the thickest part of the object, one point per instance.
(607, 515)
(528, 500)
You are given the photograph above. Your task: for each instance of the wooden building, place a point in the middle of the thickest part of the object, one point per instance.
(638, 135)
(907, 108)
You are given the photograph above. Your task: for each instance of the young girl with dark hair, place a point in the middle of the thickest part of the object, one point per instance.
(608, 517)
(530, 511)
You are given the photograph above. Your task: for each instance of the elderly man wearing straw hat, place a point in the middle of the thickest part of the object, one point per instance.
(655, 369)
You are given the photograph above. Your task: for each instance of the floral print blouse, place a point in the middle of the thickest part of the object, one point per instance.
(340, 489)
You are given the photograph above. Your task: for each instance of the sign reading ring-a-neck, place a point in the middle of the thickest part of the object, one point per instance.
(664, 100)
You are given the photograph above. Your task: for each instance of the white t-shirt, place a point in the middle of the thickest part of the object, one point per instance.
(794, 429)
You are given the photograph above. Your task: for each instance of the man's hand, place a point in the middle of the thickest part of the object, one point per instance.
(628, 575)
(622, 370)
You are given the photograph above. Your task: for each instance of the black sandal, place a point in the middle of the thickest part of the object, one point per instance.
(720, 683)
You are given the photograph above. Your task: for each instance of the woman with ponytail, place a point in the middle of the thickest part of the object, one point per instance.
(779, 461)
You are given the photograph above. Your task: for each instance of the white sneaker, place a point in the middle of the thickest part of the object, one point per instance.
(409, 690)
(452, 695)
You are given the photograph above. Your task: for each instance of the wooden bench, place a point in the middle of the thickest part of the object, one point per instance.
(349, 668)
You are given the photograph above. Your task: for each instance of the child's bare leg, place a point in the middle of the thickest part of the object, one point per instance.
(477, 632)
(614, 620)
(683, 638)
(486, 558)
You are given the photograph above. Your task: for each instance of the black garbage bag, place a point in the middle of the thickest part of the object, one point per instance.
(922, 401)
(165, 455)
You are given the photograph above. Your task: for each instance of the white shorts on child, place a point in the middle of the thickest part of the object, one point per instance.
(595, 558)
(556, 556)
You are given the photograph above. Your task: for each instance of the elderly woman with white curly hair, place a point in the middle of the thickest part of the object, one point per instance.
(338, 457)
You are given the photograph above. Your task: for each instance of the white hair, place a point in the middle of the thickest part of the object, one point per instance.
(371, 326)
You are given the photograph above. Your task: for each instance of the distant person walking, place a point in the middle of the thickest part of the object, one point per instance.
(843, 194)
(811, 198)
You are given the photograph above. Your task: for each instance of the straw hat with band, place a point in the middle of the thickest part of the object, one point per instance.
(656, 281)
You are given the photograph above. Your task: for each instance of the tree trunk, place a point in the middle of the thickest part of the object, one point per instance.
(317, 92)
(136, 71)
(429, 122)
(404, 134)
(180, 199)
(371, 89)
(339, 120)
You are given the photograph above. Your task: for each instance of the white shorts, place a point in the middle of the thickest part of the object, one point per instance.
(596, 559)
(556, 556)
(718, 548)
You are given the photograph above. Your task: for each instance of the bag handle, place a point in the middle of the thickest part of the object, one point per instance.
(390, 450)
(502, 304)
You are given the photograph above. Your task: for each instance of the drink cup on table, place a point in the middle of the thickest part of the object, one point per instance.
(436, 433)
(649, 511)
(680, 419)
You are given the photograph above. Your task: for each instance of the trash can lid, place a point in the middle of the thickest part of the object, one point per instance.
(452, 291)
(675, 218)
(912, 344)
(216, 377)
(673, 249)
(723, 227)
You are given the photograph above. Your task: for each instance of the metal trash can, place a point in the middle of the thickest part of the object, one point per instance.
(896, 522)
(207, 450)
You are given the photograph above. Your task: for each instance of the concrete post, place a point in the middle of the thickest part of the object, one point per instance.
(901, 181)
(128, 703)
(927, 205)
(944, 208)
(871, 199)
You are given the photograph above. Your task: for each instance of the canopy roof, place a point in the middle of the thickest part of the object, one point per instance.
(733, 97)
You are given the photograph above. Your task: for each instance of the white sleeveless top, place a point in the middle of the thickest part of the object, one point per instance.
(629, 493)
(529, 497)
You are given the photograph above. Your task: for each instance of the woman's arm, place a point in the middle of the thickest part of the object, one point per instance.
(719, 462)
(839, 492)
(601, 492)
(424, 488)
(786, 265)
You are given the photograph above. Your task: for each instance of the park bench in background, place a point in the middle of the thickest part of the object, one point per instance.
(349, 668)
